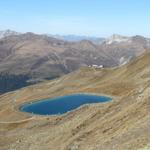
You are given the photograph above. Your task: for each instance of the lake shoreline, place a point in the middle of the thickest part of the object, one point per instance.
(100, 99)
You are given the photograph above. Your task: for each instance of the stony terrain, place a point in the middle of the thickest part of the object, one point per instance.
(122, 124)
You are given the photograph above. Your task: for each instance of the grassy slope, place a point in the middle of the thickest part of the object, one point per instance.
(123, 124)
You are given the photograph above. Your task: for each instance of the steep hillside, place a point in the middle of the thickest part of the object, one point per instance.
(122, 124)
(39, 57)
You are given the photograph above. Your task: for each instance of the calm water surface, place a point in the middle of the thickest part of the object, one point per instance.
(63, 104)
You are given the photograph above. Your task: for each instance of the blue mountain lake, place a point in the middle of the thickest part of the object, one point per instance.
(63, 104)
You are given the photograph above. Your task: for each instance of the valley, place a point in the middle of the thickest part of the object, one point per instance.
(122, 124)
(32, 58)
(74, 75)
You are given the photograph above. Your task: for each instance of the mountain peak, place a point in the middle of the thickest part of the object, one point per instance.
(7, 32)
(116, 38)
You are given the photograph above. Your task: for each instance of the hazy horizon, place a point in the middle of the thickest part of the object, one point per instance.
(78, 35)
(83, 18)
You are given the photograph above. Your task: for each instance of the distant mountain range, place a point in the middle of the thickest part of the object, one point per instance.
(28, 58)
(76, 38)
(8, 32)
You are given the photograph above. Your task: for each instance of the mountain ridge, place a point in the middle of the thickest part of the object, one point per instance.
(39, 57)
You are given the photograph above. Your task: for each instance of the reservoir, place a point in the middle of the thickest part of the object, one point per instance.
(63, 104)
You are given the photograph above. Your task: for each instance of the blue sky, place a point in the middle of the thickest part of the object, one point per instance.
(81, 17)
